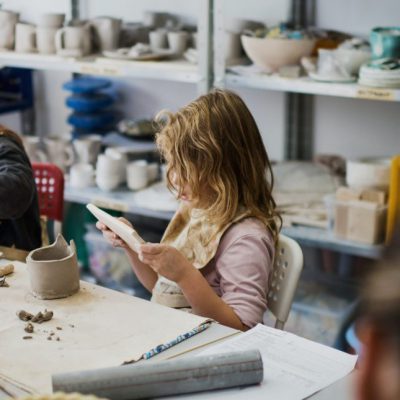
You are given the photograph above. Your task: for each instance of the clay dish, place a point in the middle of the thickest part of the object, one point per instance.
(53, 270)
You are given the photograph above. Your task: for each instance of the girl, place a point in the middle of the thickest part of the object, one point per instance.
(217, 252)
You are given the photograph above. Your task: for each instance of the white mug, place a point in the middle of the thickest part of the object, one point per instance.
(32, 145)
(137, 175)
(158, 39)
(177, 41)
(152, 171)
(52, 20)
(25, 38)
(108, 172)
(45, 39)
(122, 160)
(74, 41)
(8, 20)
(81, 175)
(59, 152)
(87, 148)
(106, 32)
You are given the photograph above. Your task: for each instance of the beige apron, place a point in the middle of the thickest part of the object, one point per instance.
(197, 239)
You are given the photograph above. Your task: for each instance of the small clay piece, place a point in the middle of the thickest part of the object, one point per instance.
(6, 269)
(38, 317)
(27, 337)
(58, 339)
(52, 333)
(53, 270)
(24, 315)
(48, 337)
(29, 328)
(3, 282)
(72, 326)
(47, 315)
(59, 328)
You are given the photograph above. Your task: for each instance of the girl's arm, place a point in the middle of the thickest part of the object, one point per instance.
(170, 263)
(205, 301)
(144, 273)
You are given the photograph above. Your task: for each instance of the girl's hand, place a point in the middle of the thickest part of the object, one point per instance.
(110, 236)
(166, 261)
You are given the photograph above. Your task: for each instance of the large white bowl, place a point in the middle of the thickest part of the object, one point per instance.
(368, 173)
(271, 54)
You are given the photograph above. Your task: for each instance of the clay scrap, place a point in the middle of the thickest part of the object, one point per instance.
(53, 270)
(38, 318)
(29, 328)
(3, 282)
(6, 269)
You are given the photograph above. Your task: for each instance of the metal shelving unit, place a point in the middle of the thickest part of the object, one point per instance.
(174, 70)
(210, 70)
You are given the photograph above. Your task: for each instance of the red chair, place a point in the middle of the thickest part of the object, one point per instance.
(50, 188)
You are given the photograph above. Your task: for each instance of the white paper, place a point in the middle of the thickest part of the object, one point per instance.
(294, 368)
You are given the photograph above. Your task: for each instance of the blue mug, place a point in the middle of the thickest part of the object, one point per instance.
(385, 42)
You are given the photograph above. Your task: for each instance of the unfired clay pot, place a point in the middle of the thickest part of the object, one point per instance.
(53, 270)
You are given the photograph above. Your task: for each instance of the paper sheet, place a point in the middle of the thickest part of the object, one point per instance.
(294, 368)
(99, 328)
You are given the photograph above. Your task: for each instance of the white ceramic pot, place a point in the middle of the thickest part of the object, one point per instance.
(45, 39)
(81, 176)
(137, 175)
(8, 20)
(25, 38)
(52, 20)
(368, 173)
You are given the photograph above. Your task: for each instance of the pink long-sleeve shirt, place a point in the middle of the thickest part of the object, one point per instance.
(240, 269)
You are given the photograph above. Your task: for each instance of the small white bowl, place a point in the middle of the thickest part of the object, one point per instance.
(271, 53)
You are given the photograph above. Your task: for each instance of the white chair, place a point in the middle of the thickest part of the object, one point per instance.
(284, 278)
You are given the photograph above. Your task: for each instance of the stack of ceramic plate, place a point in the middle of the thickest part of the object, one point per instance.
(384, 73)
(90, 106)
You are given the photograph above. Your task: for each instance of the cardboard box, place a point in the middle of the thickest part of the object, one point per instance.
(361, 221)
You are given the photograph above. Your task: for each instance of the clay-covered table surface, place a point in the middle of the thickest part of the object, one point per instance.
(97, 327)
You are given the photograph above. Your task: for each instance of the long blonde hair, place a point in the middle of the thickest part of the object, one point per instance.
(213, 145)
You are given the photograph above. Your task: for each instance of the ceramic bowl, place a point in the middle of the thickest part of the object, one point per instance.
(270, 54)
(368, 173)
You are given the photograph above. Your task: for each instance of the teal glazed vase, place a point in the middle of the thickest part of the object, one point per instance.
(385, 42)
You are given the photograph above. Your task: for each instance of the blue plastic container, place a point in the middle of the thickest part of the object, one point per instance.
(92, 121)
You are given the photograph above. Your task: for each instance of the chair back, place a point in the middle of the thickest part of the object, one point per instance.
(50, 188)
(284, 279)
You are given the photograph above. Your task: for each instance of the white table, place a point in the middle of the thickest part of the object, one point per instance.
(340, 390)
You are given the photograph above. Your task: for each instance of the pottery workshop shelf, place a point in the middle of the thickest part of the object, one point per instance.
(176, 70)
(118, 200)
(308, 86)
(325, 239)
(124, 200)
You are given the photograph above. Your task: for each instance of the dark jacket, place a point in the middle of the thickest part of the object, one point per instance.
(19, 209)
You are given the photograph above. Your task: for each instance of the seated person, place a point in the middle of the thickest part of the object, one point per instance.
(379, 331)
(217, 252)
(19, 209)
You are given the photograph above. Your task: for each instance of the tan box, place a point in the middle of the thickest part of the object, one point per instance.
(345, 193)
(374, 196)
(360, 221)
